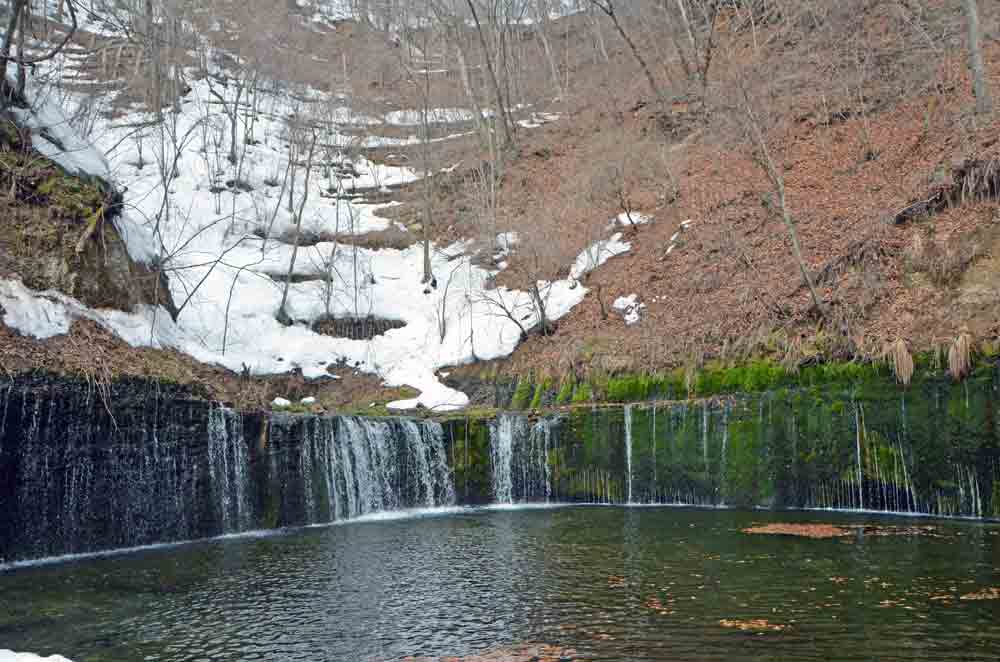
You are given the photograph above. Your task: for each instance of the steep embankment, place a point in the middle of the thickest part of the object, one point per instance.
(889, 178)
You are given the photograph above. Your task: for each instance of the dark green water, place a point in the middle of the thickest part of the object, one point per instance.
(614, 583)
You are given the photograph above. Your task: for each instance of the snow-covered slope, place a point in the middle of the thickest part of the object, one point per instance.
(11, 656)
(221, 232)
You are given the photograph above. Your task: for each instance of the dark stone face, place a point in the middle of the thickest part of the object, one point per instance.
(86, 468)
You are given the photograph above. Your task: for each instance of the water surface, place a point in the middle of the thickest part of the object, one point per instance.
(612, 583)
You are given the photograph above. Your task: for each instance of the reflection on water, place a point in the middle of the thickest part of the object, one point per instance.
(602, 583)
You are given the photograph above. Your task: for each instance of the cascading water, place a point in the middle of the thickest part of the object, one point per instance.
(229, 468)
(82, 471)
(628, 452)
(519, 458)
(770, 450)
(352, 466)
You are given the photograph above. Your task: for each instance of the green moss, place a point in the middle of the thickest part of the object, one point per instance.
(522, 394)
(540, 391)
(583, 393)
(565, 392)
(629, 388)
(72, 196)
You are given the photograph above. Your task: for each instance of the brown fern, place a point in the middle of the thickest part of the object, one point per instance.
(960, 356)
(898, 356)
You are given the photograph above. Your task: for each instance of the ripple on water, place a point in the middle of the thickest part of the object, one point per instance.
(622, 584)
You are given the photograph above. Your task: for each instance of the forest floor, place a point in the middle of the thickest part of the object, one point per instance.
(714, 270)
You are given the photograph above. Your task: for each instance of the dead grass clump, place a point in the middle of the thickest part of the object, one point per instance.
(944, 264)
(960, 356)
(898, 356)
(971, 181)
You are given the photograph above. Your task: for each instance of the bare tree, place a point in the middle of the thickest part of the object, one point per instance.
(984, 104)
(773, 171)
(498, 95)
(302, 134)
(17, 25)
(609, 8)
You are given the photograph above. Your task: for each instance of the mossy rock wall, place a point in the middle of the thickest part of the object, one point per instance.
(932, 448)
(58, 231)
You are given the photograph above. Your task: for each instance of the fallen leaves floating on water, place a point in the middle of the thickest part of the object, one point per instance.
(755, 625)
(881, 531)
(992, 593)
(821, 531)
(802, 530)
(527, 653)
(615, 581)
(657, 605)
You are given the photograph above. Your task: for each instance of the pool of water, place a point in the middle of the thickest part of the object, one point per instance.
(609, 583)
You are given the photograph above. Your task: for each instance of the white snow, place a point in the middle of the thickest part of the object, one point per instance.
(622, 220)
(536, 120)
(597, 254)
(630, 307)
(11, 656)
(230, 280)
(434, 116)
(505, 244)
(41, 315)
(308, 401)
(675, 236)
(281, 402)
(54, 137)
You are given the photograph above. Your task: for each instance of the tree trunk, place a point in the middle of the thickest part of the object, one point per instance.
(983, 102)
(540, 31)
(494, 81)
(21, 68)
(283, 316)
(778, 182)
(599, 39)
(609, 9)
(13, 27)
(153, 46)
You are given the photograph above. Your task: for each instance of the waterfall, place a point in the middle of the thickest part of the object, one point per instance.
(519, 458)
(502, 435)
(861, 480)
(653, 444)
(82, 471)
(628, 452)
(722, 466)
(228, 466)
(352, 466)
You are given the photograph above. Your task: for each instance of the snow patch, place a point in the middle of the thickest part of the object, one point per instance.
(54, 137)
(597, 254)
(434, 116)
(11, 656)
(227, 263)
(622, 220)
(281, 402)
(40, 315)
(630, 307)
